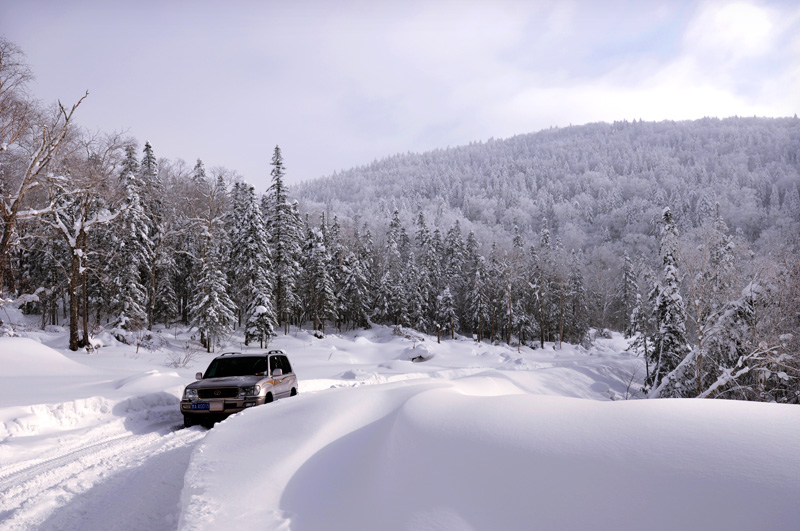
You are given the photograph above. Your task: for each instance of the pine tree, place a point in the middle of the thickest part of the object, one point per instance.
(392, 297)
(454, 269)
(213, 312)
(283, 226)
(628, 291)
(354, 292)
(478, 305)
(332, 238)
(447, 316)
(577, 310)
(130, 166)
(250, 265)
(318, 281)
(152, 196)
(671, 347)
(135, 253)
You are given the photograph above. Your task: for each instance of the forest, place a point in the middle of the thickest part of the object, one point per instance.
(684, 235)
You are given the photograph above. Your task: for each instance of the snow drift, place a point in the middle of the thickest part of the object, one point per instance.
(444, 455)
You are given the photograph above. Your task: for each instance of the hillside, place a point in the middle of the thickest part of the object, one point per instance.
(593, 183)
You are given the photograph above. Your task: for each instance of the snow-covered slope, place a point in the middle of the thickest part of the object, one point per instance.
(476, 436)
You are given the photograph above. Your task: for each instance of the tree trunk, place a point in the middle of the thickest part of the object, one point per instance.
(85, 311)
(74, 281)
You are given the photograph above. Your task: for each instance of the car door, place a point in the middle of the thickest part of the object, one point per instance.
(279, 387)
(290, 377)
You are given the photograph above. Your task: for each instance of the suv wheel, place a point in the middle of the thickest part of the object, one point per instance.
(268, 399)
(188, 421)
(294, 392)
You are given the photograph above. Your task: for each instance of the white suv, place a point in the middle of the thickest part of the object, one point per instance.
(234, 382)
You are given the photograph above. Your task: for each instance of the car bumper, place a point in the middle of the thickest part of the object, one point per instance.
(217, 407)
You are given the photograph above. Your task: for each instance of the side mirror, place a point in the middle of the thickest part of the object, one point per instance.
(198, 376)
(277, 372)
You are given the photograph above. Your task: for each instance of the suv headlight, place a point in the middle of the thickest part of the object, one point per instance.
(253, 390)
(190, 394)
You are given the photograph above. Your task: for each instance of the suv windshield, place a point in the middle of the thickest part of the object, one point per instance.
(239, 366)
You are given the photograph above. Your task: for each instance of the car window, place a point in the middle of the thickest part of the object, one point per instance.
(287, 367)
(260, 366)
(239, 366)
(275, 363)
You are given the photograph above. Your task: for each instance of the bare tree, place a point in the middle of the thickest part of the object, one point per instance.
(14, 102)
(80, 199)
(36, 136)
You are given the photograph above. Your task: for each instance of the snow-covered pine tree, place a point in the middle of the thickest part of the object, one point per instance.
(447, 316)
(332, 238)
(250, 265)
(454, 268)
(628, 291)
(212, 310)
(152, 198)
(577, 318)
(497, 286)
(427, 274)
(130, 166)
(478, 302)
(321, 299)
(167, 309)
(133, 256)
(283, 227)
(354, 292)
(671, 373)
(392, 296)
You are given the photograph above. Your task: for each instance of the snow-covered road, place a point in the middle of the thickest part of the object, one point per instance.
(101, 478)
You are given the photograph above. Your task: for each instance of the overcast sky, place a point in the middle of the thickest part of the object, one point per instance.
(341, 83)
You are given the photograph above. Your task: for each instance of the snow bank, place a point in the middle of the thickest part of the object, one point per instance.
(42, 392)
(23, 357)
(435, 455)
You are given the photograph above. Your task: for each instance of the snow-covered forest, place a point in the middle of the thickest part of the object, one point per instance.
(682, 235)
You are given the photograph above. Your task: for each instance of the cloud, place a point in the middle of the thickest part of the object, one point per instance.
(733, 59)
(340, 84)
(731, 32)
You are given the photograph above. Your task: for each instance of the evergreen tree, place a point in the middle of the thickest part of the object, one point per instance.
(130, 166)
(577, 324)
(447, 316)
(152, 197)
(628, 292)
(670, 347)
(354, 292)
(250, 265)
(392, 297)
(478, 305)
(283, 226)
(318, 281)
(135, 250)
(212, 310)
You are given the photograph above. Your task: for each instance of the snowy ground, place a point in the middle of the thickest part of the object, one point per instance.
(475, 437)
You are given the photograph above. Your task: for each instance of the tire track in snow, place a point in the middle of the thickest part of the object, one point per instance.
(45, 491)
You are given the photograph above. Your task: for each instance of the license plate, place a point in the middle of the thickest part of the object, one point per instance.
(201, 405)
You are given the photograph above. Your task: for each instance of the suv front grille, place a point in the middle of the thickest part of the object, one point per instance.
(218, 392)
